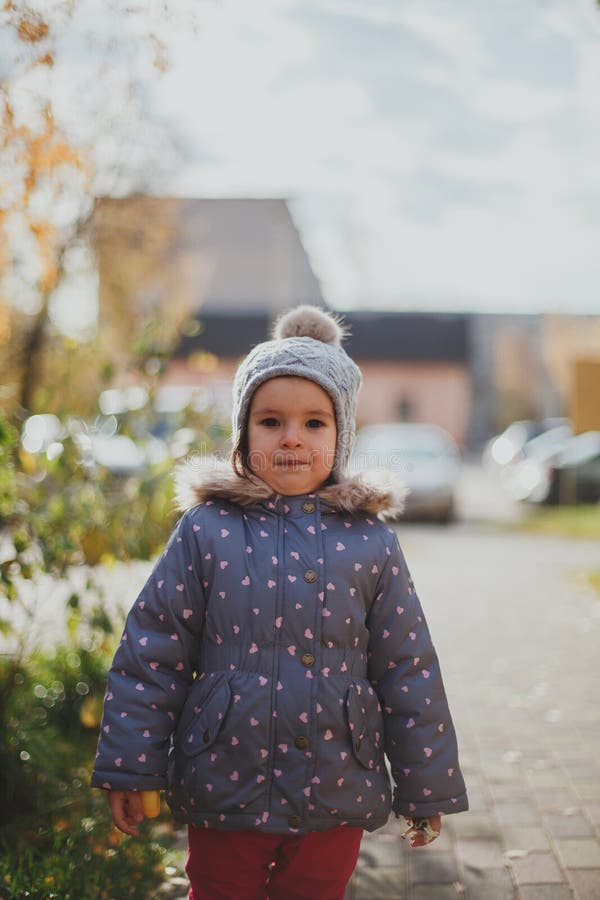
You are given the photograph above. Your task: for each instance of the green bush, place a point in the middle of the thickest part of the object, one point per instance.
(57, 513)
(79, 858)
(56, 834)
(52, 709)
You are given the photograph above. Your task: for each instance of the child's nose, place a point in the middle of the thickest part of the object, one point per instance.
(290, 436)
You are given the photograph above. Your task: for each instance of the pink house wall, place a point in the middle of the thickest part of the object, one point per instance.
(439, 393)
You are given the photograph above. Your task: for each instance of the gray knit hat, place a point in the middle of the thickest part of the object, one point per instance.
(306, 344)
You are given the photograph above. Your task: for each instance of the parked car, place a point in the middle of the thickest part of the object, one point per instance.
(123, 456)
(563, 469)
(98, 443)
(424, 457)
(509, 446)
(573, 475)
(525, 478)
(133, 430)
(165, 417)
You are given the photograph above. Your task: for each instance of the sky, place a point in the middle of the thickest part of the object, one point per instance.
(436, 155)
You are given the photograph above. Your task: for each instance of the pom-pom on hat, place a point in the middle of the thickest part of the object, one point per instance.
(307, 343)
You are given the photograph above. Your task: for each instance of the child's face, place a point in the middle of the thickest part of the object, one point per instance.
(291, 435)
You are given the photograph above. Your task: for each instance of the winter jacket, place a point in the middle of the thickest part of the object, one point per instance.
(276, 653)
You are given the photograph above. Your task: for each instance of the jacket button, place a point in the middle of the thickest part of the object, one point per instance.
(294, 821)
(307, 659)
(206, 736)
(301, 742)
(308, 506)
(310, 576)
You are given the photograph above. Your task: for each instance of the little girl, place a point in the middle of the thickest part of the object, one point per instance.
(278, 650)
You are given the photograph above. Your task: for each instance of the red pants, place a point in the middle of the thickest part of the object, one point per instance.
(252, 865)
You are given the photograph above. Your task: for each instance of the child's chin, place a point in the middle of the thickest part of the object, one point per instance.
(294, 483)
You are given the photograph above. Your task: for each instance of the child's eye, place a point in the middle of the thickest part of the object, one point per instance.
(269, 421)
(315, 423)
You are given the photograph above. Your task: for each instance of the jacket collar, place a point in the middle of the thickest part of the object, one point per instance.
(210, 478)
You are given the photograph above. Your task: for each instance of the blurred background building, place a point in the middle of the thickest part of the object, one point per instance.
(230, 266)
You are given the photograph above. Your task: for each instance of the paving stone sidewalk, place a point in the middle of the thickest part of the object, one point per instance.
(518, 634)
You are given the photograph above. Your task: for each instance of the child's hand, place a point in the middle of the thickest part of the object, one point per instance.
(417, 838)
(126, 809)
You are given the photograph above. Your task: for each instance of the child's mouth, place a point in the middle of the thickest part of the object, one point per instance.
(292, 464)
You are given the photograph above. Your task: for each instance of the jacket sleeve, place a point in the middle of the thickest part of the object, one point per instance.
(152, 669)
(420, 740)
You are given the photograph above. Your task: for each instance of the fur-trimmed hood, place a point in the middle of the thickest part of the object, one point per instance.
(210, 478)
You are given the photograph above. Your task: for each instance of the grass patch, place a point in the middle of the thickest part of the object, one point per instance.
(568, 521)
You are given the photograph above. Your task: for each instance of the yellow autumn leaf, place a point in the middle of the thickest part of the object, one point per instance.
(90, 713)
(27, 461)
(94, 544)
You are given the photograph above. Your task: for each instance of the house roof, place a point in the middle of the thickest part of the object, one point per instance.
(233, 254)
(407, 336)
(373, 336)
(227, 335)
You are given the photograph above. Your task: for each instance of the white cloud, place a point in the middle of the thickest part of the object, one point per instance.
(449, 160)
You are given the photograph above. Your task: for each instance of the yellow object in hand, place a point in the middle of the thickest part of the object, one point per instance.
(151, 803)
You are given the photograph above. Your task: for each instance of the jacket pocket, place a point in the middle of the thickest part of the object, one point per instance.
(364, 723)
(204, 728)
